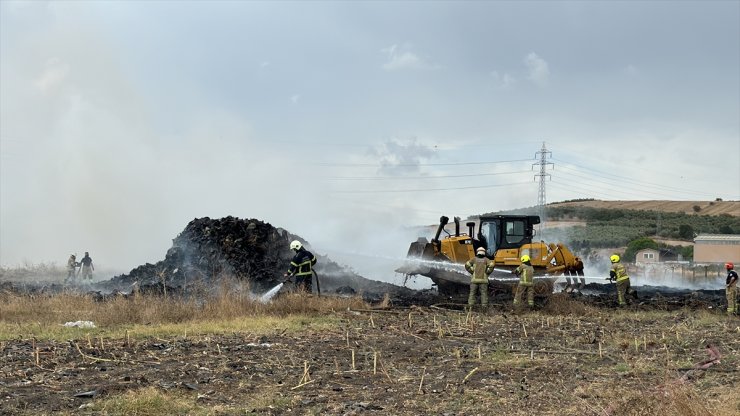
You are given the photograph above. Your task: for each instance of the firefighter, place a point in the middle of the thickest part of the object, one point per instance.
(525, 271)
(87, 267)
(301, 266)
(731, 289)
(480, 268)
(618, 273)
(72, 266)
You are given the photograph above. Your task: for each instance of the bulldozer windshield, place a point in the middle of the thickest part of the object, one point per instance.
(503, 232)
(515, 231)
(488, 237)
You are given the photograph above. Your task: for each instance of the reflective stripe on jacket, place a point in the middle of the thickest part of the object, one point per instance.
(302, 263)
(480, 268)
(526, 273)
(620, 273)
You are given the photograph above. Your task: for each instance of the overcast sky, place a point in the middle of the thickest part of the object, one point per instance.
(341, 121)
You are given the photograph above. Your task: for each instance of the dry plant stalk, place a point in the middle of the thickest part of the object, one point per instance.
(473, 371)
(353, 359)
(375, 362)
(525, 330)
(421, 383)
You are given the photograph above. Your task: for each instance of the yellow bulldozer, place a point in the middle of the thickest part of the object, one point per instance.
(504, 237)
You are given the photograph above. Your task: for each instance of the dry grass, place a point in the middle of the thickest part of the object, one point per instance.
(42, 315)
(149, 401)
(674, 399)
(563, 304)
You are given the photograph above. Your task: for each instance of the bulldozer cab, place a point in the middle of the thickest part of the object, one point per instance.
(505, 232)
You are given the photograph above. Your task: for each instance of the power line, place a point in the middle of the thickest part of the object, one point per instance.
(377, 165)
(621, 180)
(620, 187)
(370, 178)
(457, 188)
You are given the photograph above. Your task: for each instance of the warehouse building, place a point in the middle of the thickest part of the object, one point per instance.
(717, 248)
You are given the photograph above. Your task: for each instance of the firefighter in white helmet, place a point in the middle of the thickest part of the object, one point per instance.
(480, 268)
(301, 266)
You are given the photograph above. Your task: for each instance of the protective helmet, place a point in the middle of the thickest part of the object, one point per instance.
(525, 258)
(614, 258)
(729, 266)
(296, 245)
(480, 250)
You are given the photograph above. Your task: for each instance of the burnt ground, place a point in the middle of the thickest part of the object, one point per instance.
(565, 358)
(423, 356)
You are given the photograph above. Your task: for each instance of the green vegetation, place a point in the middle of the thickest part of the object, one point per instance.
(606, 228)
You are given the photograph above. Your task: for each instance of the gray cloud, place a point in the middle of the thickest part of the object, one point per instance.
(119, 122)
(538, 69)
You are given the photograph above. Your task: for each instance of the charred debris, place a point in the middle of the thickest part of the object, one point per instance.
(248, 251)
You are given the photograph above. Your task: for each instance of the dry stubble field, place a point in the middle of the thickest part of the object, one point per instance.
(304, 355)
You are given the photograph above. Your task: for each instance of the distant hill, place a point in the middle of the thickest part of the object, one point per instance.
(686, 207)
(592, 224)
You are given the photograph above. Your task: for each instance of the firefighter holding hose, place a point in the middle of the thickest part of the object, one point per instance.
(480, 268)
(301, 266)
(619, 274)
(525, 271)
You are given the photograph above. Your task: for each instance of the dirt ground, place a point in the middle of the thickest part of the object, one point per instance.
(566, 358)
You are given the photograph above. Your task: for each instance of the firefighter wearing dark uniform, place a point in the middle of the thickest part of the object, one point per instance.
(87, 267)
(480, 268)
(731, 289)
(618, 273)
(301, 266)
(525, 271)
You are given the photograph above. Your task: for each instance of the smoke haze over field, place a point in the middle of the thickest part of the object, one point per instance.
(344, 122)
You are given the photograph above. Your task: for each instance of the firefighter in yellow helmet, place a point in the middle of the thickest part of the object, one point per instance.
(525, 271)
(618, 273)
(480, 268)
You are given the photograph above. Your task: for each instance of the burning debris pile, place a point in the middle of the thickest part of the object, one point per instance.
(246, 249)
(249, 250)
